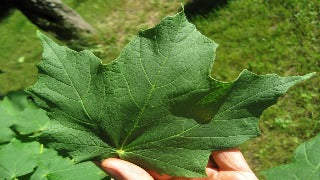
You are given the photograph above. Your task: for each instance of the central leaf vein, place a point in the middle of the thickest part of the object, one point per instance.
(80, 98)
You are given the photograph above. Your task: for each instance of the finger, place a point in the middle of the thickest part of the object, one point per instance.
(239, 175)
(212, 173)
(230, 160)
(123, 170)
(158, 176)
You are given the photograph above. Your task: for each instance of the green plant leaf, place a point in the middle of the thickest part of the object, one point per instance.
(10, 106)
(31, 121)
(6, 133)
(17, 159)
(13, 107)
(19, 100)
(51, 166)
(305, 164)
(21, 114)
(155, 105)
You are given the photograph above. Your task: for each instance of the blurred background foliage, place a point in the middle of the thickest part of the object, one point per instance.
(264, 36)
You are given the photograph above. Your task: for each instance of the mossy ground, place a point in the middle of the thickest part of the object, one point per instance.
(264, 36)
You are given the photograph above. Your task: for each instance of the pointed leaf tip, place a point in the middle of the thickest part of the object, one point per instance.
(39, 34)
(310, 75)
(44, 38)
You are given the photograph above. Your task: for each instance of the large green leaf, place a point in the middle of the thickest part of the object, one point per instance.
(305, 164)
(155, 105)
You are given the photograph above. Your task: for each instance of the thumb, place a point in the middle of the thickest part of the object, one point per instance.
(123, 170)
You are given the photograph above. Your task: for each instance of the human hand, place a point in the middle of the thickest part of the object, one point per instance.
(227, 165)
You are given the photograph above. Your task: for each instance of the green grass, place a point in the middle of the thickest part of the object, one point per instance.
(116, 22)
(17, 40)
(264, 36)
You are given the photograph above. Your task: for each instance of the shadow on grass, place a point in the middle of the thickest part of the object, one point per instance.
(202, 7)
(5, 8)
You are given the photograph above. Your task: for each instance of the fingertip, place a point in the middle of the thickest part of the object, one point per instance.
(212, 173)
(109, 163)
(230, 160)
(123, 170)
(112, 167)
(158, 176)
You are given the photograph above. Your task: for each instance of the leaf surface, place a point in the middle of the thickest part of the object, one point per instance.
(17, 159)
(155, 105)
(305, 164)
(51, 166)
(6, 133)
(20, 158)
(21, 114)
(31, 121)
(10, 106)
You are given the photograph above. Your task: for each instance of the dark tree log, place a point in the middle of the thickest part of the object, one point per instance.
(55, 16)
(5, 7)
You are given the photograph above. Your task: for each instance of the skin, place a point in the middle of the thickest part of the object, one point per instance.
(224, 165)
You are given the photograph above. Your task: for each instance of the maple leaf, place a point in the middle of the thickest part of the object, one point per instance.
(305, 164)
(155, 105)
